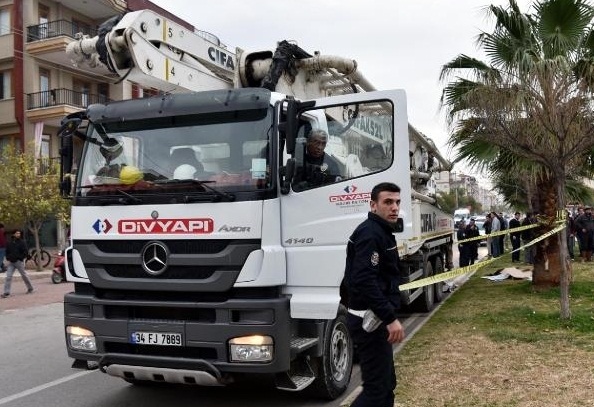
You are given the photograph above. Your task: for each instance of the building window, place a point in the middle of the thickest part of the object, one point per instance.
(5, 21)
(43, 22)
(44, 87)
(103, 92)
(82, 91)
(80, 27)
(5, 85)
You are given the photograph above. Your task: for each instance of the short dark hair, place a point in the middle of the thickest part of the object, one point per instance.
(381, 187)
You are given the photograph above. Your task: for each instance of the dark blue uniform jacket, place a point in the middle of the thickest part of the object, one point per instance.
(372, 272)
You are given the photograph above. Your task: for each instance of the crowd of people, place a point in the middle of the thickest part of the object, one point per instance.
(579, 230)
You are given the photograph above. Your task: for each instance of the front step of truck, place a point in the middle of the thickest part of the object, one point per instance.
(301, 374)
(298, 378)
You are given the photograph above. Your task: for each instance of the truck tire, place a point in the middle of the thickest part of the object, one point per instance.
(438, 287)
(426, 301)
(333, 368)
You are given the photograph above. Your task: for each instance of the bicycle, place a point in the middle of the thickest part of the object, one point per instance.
(44, 258)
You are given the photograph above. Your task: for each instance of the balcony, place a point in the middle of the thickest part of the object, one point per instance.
(54, 29)
(53, 105)
(48, 42)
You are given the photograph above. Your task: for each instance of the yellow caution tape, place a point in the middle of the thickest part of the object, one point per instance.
(465, 270)
(503, 232)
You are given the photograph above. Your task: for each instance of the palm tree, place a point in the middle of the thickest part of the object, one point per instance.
(532, 99)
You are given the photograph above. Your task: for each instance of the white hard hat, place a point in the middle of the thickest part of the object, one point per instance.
(184, 171)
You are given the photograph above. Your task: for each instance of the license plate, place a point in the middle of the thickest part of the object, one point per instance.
(156, 338)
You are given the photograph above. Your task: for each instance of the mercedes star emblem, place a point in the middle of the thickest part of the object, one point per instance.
(154, 258)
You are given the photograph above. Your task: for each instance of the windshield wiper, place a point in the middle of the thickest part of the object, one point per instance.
(229, 197)
(129, 199)
(219, 195)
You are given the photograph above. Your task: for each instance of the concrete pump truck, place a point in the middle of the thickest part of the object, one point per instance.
(204, 247)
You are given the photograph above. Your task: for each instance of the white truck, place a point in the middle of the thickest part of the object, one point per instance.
(231, 265)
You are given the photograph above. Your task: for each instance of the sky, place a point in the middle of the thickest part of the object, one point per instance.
(398, 44)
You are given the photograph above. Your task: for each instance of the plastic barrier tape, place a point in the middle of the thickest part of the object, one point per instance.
(503, 232)
(464, 270)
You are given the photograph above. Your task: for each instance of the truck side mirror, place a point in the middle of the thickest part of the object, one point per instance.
(399, 226)
(288, 122)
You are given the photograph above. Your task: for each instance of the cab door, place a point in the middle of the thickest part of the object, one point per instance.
(367, 135)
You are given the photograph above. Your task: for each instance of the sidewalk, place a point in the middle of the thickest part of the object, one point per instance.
(46, 292)
(32, 273)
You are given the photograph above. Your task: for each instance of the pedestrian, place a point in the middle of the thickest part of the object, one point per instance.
(515, 237)
(502, 227)
(584, 225)
(16, 254)
(464, 247)
(578, 235)
(372, 275)
(570, 233)
(487, 227)
(528, 235)
(472, 232)
(495, 227)
(2, 248)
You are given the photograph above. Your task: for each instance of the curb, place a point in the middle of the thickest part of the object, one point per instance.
(33, 275)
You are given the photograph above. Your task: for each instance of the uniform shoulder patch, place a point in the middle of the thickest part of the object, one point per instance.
(374, 258)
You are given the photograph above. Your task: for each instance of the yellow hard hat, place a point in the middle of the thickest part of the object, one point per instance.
(130, 175)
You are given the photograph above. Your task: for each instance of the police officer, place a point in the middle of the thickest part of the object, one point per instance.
(371, 279)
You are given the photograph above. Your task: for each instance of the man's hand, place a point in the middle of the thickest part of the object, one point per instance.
(395, 332)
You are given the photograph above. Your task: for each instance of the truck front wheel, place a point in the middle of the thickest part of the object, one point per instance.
(439, 294)
(426, 300)
(333, 368)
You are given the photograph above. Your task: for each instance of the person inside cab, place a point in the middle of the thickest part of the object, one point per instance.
(319, 167)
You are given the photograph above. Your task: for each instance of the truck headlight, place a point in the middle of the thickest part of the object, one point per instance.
(255, 348)
(81, 339)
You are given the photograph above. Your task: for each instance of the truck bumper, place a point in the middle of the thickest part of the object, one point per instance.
(205, 327)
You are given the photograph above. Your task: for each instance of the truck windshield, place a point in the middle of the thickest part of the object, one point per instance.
(200, 155)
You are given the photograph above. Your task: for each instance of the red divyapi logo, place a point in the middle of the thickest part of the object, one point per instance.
(165, 226)
(350, 195)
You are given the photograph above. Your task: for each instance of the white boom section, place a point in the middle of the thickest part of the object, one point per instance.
(148, 49)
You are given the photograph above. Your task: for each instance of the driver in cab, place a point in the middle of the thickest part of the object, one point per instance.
(320, 167)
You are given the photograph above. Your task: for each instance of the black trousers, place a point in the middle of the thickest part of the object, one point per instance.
(376, 361)
(515, 241)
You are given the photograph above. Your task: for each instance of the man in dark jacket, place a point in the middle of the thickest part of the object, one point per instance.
(528, 235)
(472, 232)
(320, 167)
(2, 247)
(16, 254)
(372, 276)
(584, 225)
(515, 237)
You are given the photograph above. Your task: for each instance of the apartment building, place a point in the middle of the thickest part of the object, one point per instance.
(39, 85)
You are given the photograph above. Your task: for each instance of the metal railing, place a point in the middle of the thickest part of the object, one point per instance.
(63, 96)
(47, 165)
(57, 28)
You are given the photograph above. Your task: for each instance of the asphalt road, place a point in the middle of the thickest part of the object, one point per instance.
(35, 369)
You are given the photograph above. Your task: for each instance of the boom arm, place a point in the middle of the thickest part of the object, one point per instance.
(155, 52)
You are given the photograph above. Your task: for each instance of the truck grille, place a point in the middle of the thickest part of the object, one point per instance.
(172, 272)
